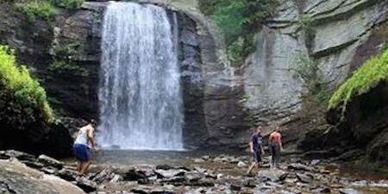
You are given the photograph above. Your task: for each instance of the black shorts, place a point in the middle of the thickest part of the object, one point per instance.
(256, 156)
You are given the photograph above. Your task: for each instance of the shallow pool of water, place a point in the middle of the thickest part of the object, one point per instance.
(187, 159)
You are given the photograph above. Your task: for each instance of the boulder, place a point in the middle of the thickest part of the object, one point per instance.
(164, 167)
(18, 178)
(51, 162)
(134, 175)
(299, 167)
(67, 174)
(305, 178)
(169, 173)
(86, 185)
(272, 175)
(242, 164)
(18, 155)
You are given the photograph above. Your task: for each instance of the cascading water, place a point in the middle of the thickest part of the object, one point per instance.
(140, 96)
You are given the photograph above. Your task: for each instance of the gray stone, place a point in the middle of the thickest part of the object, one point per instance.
(349, 191)
(86, 185)
(198, 160)
(169, 173)
(48, 161)
(305, 178)
(241, 164)
(18, 178)
(67, 174)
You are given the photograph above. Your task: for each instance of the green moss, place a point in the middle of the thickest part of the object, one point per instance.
(374, 71)
(37, 9)
(22, 99)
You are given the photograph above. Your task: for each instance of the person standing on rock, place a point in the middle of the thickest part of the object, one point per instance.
(256, 148)
(275, 146)
(82, 146)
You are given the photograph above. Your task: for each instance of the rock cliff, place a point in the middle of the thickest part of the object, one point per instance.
(220, 102)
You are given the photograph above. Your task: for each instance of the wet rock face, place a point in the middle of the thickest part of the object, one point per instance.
(341, 36)
(53, 140)
(366, 121)
(362, 131)
(74, 39)
(212, 113)
(338, 35)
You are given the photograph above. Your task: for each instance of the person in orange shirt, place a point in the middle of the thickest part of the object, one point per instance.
(275, 146)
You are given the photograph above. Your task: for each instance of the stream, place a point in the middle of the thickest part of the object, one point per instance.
(228, 171)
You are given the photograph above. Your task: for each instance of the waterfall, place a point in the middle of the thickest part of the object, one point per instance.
(140, 97)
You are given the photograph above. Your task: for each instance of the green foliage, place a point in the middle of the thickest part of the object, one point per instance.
(305, 22)
(239, 20)
(37, 8)
(45, 9)
(308, 72)
(63, 60)
(68, 4)
(66, 66)
(66, 52)
(374, 71)
(22, 100)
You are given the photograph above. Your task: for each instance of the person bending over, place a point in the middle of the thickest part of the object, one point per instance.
(82, 146)
(256, 148)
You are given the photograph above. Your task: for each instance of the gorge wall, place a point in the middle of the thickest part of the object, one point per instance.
(337, 36)
(220, 102)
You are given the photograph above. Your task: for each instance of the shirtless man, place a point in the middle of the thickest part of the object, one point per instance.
(275, 145)
(82, 146)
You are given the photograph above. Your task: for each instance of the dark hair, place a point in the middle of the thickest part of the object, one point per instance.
(93, 122)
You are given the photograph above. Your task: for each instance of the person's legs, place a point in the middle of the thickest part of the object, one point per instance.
(277, 156)
(254, 162)
(79, 166)
(272, 150)
(251, 167)
(85, 167)
(78, 153)
(82, 154)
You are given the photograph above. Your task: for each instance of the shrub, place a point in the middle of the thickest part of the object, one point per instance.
(61, 66)
(63, 60)
(22, 100)
(68, 4)
(374, 71)
(239, 21)
(45, 8)
(307, 70)
(37, 8)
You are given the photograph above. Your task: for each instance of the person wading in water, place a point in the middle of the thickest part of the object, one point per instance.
(256, 148)
(275, 144)
(82, 145)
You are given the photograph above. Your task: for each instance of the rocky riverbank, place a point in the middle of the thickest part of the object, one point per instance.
(24, 173)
